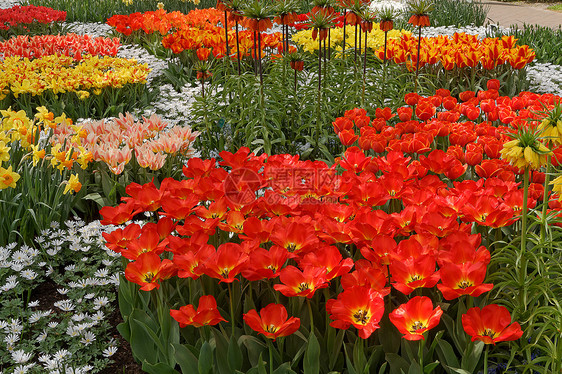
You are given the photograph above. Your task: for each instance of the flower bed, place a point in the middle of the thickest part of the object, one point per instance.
(430, 209)
(68, 45)
(22, 19)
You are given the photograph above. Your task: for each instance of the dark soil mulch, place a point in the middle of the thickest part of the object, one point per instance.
(123, 361)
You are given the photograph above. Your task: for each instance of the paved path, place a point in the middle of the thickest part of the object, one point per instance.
(507, 14)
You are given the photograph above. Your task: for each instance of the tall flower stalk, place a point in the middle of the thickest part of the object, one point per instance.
(366, 26)
(320, 22)
(259, 20)
(286, 13)
(527, 152)
(386, 16)
(551, 131)
(221, 5)
(419, 18)
(235, 8)
(354, 17)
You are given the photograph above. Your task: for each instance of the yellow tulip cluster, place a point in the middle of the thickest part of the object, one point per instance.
(60, 74)
(375, 38)
(21, 132)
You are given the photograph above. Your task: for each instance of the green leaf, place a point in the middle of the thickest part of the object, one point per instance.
(141, 342)
(429, 368)
(334, 347)
(159, 368)
(235, 358)
(348, 362)
(470, 361)
(397, 363)
(261, 366)
(187, 360)
(254, 346)
(446, 354)
(221, 352)
(392, 338)
(151, 334)
(205, 363)
(97, 198)
(311, 364)
(285, 368)
(124, 330)
(382, 369)
(415, 368)
(459, 371)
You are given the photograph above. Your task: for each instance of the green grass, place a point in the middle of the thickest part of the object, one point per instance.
(557, 7)
(458, 13)
(101, 10)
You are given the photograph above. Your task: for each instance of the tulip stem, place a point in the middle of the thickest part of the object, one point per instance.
(310, 316)
(364, 72)
(344, 24)
(420, 352)
(486, 359)
(238, 47)
(270, 346)
(545, 199)
(226, 33)
(418, 60)
(231, 307)
(524, 211)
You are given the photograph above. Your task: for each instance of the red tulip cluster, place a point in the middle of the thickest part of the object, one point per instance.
(197, 29)
(27, 15)
(162, 21)
(461, 50)
(68, 45)
(290, 217)
(213, 37)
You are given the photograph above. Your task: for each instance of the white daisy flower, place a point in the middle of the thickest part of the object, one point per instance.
(88, 338)
(78, 317)
(101, 273)
(41, 337)
(65, 305)
(72, 331)
(98, 316)
(29, 274)
(60, 354)
(15, 326)
(109, 351)
(70, 267)
(11, 338)
(100, 302)
(22, 369)
(20, 356)
(53, 251)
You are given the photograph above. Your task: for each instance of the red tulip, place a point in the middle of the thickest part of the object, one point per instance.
(416, 317)
(492, 324)
(295, 282)
(206, 313)
(148, 269)
(361, 307)
(272, 321)
(463, 279)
